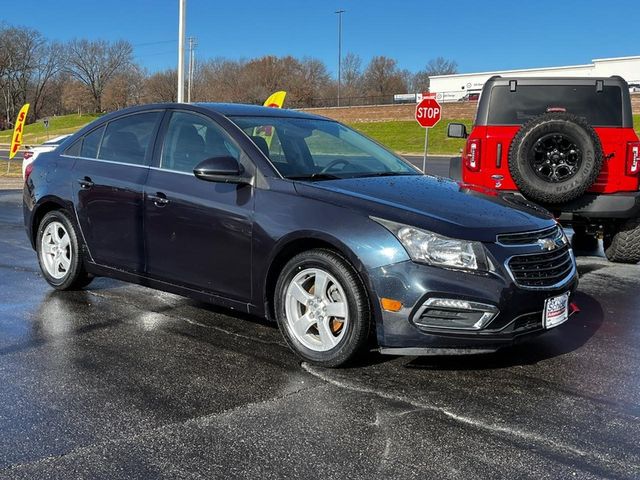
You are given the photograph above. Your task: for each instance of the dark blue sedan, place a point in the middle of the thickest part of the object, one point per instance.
(299, 219)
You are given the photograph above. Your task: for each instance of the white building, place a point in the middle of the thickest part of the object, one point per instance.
(455, 87)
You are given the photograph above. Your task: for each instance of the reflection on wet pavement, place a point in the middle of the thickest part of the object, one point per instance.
(120, 381)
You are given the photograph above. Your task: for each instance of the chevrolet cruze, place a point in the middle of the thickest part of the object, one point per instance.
(300, 219)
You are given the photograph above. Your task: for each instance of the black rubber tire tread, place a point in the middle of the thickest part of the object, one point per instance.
(77, 277)
(356, 338)
(536, 188)
(624, 245)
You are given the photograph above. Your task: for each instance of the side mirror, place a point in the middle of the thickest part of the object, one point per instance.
(457, 130)
(223, 169)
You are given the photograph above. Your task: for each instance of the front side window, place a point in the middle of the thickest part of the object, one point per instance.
(192, 138)
(320, 149)
(129, 139)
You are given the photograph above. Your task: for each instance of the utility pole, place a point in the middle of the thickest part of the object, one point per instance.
(192, 66)
(339, 13)
(181, 21)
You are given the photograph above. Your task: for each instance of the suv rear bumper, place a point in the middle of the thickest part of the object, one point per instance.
(610, 205)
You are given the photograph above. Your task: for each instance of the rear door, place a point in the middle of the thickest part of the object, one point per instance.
(198, 233)
(112, 164)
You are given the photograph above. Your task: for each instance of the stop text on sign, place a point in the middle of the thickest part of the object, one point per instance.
(428, 112)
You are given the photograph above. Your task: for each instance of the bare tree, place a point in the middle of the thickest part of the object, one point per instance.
(436, 66)
(94, 63)
(382, 77)
(76, 97)
(161, 86)
(351, 73)
(125, 89)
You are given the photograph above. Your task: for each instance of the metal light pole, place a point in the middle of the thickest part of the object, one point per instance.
(339, 13)
(192, 66)
(181, 21)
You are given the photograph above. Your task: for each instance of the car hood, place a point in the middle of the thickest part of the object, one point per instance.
(434, 203)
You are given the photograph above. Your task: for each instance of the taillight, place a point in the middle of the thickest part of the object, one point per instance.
(633, 158)
(27, 171)
(27, 155)
(472, 157)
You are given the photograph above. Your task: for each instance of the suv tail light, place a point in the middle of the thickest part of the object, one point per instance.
(633, 158)
(472, 157)
(27, 155)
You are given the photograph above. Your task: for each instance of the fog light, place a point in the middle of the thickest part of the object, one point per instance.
(454, 314)
(391, 305)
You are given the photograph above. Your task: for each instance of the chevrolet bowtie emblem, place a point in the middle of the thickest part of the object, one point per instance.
(547, 244)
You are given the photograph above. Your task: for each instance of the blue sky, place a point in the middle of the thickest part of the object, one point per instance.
(479, 35)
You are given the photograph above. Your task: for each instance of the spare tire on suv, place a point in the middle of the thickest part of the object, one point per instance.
(555, 158)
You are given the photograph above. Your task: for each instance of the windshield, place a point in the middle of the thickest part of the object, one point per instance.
(320, 149)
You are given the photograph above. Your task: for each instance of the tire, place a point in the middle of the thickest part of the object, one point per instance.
(322, 339)
(59, 252)
(623, 246)
(555, 158)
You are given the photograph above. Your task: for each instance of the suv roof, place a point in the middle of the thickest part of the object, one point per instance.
(598, 83)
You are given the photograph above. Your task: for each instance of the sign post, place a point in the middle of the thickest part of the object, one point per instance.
(428, 113)
(46, 126)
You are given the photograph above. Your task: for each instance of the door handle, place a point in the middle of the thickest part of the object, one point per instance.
(159, 199)
(85, 183)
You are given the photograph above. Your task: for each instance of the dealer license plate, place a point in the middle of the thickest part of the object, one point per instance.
(556, 310)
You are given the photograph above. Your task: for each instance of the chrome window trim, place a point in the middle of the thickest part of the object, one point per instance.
(105, 161)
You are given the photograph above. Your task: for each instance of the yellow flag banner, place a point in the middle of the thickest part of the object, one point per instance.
(16, 140)
(275, 100)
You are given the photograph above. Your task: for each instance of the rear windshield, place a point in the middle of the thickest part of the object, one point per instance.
(600, 109)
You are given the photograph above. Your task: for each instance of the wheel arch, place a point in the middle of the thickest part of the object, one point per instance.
(44, 206)
(292, 245)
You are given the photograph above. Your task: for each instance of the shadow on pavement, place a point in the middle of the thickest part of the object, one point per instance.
(559, 341)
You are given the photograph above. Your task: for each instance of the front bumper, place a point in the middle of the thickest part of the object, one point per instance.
(520, 310)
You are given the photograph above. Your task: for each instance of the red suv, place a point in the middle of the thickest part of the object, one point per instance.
(565, 143)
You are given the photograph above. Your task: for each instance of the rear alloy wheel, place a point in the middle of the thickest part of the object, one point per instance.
(58, 252)
(623, 245)
(322, 308)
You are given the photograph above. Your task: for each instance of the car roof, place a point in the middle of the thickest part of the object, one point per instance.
(244, 110)
(524, 80)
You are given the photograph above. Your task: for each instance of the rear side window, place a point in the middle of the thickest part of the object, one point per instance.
(128, 139)
(192, 138)
(600, 109)
(91, 143)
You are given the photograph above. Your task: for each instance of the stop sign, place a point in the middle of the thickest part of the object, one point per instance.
(428, 112)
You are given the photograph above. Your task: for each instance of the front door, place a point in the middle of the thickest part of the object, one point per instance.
(198, 233)
(112, 163)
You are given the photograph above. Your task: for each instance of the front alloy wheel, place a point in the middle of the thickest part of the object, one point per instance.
(322, 308)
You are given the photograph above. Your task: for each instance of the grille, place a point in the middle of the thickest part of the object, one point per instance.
(529, 238)
(542, 269)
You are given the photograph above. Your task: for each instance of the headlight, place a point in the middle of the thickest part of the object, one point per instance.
(428, 247)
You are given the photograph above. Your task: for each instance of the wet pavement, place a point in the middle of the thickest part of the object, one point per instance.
(119, 381)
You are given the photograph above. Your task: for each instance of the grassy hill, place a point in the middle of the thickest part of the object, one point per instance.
(36, 133)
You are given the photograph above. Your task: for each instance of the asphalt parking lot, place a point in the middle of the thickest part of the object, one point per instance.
(120, 381)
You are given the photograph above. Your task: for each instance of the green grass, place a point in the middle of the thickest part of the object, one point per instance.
(408, 137)
(15, 167)
(36, 133)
